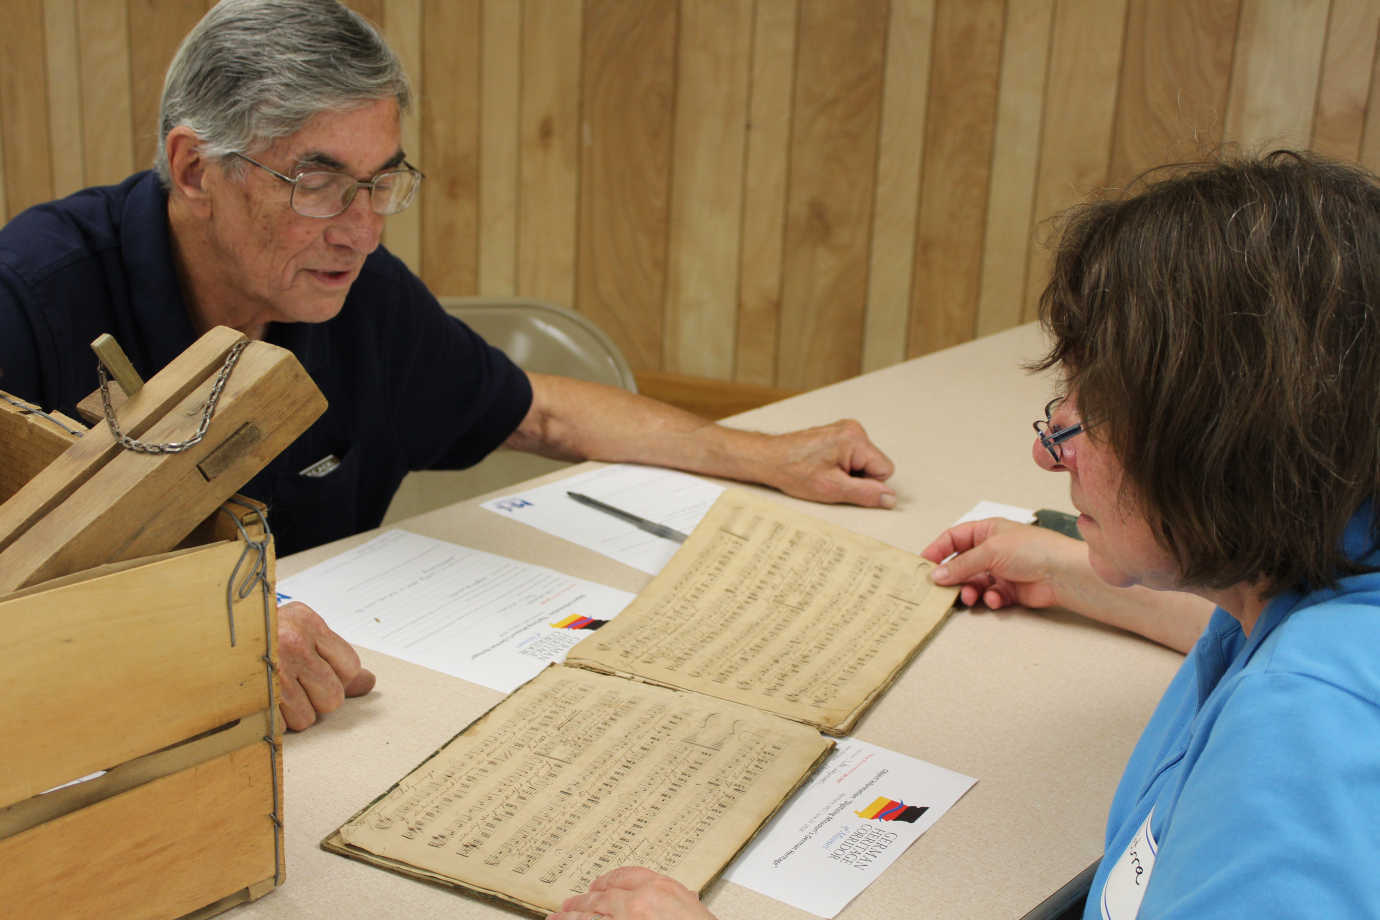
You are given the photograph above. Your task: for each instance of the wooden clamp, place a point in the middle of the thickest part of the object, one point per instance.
(99, 503)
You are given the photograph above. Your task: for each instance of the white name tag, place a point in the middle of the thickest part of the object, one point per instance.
(1125, 886)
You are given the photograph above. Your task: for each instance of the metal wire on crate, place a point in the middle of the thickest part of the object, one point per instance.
(29, 409)
(257, 575)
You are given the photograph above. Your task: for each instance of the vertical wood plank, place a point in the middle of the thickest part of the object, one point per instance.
(1274, 82)
(1080, 100)
(1175, 77)
(156, 28)
(498, 147)
(23, 109)
(402, 27)
(904, 98)
(372, 10)
(833, 164)
(627, 87)
(106, 118)
(1010, 232)
(710, 135)
(64, 96)
(1370, 134)
(1339, 118)
(4, 205)
(764, 191)
(549, 149)
(450, 146)
(959, 136)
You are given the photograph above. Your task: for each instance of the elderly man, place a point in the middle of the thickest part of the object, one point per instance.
(280, 156)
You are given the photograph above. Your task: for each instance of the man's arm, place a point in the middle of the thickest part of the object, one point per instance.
(577, 420)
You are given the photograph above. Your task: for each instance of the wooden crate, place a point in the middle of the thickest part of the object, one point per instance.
(129, 669)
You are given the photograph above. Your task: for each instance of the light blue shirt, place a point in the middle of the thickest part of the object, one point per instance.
(1262, 764)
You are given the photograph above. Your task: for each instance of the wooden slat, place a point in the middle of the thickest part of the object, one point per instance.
(833, 164)
(628, 85)
(54, 803)
(450, 147)
(1275, 76)
(46, 490)
(136, 504)
(1010, 231)
(1370, 135)
(162, 849)
(715, 45)
(28, 443)
(156, 28)
(23, 111)
(402, 21)
(1080, 100)
(103, 40)
(371, 10)
(3, 209)
(1339, 119)
(958, 161)
(498, 149)
(904, 99)
(122, 642)
(64, 96)
(706, 397)
(764, 194)
(1175, 76)
(549, 150)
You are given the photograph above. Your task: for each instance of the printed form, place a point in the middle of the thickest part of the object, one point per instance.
(675, 499)
(489, 619)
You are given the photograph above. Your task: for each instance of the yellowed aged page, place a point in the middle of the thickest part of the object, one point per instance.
(777, 610)
(577, 773)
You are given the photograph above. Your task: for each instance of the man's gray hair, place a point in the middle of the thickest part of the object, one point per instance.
(254, 71)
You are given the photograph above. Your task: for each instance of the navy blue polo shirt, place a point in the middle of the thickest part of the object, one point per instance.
(409, 386)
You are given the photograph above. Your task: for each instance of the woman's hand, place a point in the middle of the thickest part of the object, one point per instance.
(1000, 563)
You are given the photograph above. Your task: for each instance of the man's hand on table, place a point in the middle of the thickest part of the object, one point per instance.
(633, 893)
(317, 669)
(835, 463)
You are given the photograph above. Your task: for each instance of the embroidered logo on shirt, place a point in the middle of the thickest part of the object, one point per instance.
(323, 467)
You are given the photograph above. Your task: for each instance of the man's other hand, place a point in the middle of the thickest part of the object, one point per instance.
(317, 669)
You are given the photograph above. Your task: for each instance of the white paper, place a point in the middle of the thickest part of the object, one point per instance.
(488, 619)
(819, 852)
(986, 509)
(668, 497)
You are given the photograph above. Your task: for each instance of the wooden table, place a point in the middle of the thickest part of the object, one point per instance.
(1042, 708)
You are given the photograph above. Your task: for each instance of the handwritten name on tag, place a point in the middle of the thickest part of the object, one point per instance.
(1125, 886)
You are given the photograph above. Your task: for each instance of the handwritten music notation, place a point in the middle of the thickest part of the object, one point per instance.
(579, 773)
(776, 610)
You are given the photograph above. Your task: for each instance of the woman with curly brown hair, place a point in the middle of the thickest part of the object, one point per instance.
(1218, 332)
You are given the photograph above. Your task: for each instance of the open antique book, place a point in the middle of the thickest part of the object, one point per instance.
(672, 733)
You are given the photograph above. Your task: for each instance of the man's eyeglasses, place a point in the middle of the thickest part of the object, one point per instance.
(326, 193)
(1052, 438)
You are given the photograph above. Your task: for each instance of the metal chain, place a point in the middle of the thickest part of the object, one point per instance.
(172, 447)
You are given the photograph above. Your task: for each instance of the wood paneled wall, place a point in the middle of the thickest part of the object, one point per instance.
(777, 192)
